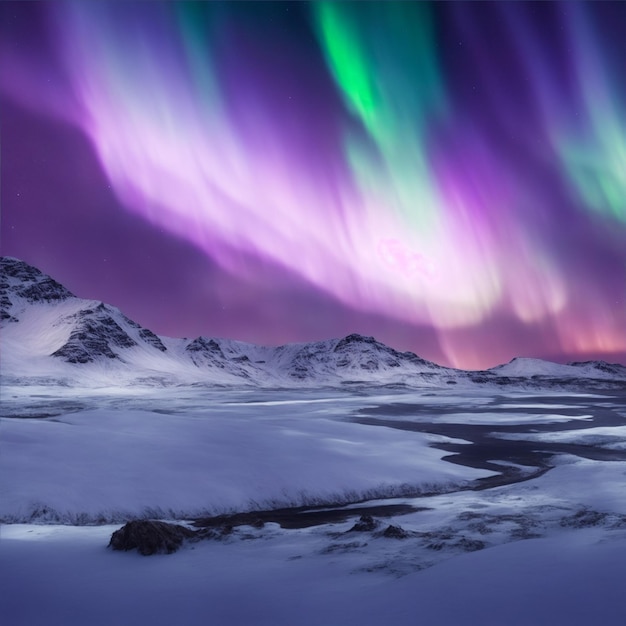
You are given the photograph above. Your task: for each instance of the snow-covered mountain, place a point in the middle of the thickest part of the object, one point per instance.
(534, 368)
(47, 333)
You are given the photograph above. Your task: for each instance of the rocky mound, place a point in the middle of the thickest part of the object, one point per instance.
(149, 537)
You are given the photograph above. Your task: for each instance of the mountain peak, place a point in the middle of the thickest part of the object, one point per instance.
(94, 333)
(356, 339)
(47, 329)
(28, 282)
(23, 283)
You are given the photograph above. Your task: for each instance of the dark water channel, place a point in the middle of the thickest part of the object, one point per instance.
(485, 447)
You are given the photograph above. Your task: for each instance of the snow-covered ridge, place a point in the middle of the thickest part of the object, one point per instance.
(50, 334)
(525, 367)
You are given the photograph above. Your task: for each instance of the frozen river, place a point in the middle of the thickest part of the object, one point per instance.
(513, 505)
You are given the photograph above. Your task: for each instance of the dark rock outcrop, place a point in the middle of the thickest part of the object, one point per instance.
(615, 369)
(94, 335)
(205, 351)
(95, 331)
(45, 290)
(145, 334)
(5, 304)
(365, 524)
(373, 354)
(584, 518)
(202, 344)
(34, 285)
(469, 545)
(352, 339)
(149, 337)
(18, 279)
(150, 537)
(395, 532)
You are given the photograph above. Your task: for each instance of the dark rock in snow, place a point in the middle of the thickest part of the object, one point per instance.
(470, 545)
(149, 337)
(149, 537)
(202, 344)
(34, 285)
(300, 372)
(99, 333)
(45, 290)
(368, 354)
(395, 532)
(94, 335)
(146, 335)
(370, 365)
(18, 279)
(365, 524)
(355, 339)
(5, 305)
(608, 368)
(585, 518)
(205, 351)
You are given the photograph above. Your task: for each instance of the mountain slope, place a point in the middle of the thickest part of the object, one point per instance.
(535, 368)
(49, 333)
(22, 284)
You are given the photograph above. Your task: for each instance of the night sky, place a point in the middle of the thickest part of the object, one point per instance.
(448, 177)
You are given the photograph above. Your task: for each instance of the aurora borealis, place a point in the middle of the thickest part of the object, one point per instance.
(448, 177)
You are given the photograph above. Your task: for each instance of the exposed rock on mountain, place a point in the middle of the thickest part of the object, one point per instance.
(94, 334)
(25, 282)
(203, 351)
(31, 283)
(614, 369)
(49, 333)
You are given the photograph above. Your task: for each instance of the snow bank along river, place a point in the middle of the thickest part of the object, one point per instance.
(512, 507)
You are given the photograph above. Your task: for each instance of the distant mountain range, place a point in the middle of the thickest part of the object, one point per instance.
(50, 335)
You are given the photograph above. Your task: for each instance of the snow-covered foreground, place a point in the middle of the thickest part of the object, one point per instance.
(547, 551)
(62, 576)
(211, 453)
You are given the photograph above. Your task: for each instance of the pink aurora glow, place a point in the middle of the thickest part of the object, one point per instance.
(443, 233)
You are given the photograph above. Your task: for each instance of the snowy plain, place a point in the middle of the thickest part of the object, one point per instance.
(550, 550)
(186, 453)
